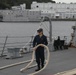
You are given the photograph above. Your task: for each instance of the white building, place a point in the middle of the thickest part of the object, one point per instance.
(20, 15)
(55, 10)
(21, 7)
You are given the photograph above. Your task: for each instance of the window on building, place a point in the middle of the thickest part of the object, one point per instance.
(68, 8)
(57, 17)
(73, 16)
(51, 7)
(37, 6)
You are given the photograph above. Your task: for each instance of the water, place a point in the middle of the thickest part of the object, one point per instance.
(59, 28)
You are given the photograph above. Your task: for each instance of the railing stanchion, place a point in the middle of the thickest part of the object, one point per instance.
(31, 42)
(4, 46)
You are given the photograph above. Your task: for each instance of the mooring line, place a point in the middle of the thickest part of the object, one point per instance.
(15, 64)
(30, 62)
(47, 61)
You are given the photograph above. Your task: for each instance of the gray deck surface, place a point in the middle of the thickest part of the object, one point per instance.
(59, 61)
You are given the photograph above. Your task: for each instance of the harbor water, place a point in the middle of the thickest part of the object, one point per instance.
(59, 28)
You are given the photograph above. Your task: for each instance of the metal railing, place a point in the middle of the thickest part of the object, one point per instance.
(14, 42)
(17, 42)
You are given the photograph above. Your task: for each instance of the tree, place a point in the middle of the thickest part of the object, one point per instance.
(4, 6)
(9, 3)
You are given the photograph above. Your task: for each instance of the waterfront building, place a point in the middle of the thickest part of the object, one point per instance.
(56, 10)
(20, 15)
(21, 7)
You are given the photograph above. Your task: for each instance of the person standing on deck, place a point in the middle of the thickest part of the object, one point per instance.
(39, 52)
(59, 43)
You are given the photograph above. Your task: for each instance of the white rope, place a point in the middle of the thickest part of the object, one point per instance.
(15, 64)
(31, 61)
(67, 72)
(47, 61)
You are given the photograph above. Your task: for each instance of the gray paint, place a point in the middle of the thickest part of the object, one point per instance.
(59, 61)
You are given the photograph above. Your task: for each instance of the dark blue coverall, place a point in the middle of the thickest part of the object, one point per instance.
(39, 53)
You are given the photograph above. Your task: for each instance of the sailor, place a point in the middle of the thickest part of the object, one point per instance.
(39, 52)
(59, 43)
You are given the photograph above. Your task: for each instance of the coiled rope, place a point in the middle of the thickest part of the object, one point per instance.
(47, 61)
(31, 61)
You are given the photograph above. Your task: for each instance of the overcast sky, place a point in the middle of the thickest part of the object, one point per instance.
(66, 1)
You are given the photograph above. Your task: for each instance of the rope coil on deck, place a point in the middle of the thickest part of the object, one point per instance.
(47, 61)
(31, 61)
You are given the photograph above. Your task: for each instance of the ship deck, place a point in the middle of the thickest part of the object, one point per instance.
(60, 61)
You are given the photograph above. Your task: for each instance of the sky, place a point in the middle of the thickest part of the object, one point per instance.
(66, 1)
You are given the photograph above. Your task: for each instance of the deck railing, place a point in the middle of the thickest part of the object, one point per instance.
(14, 42)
